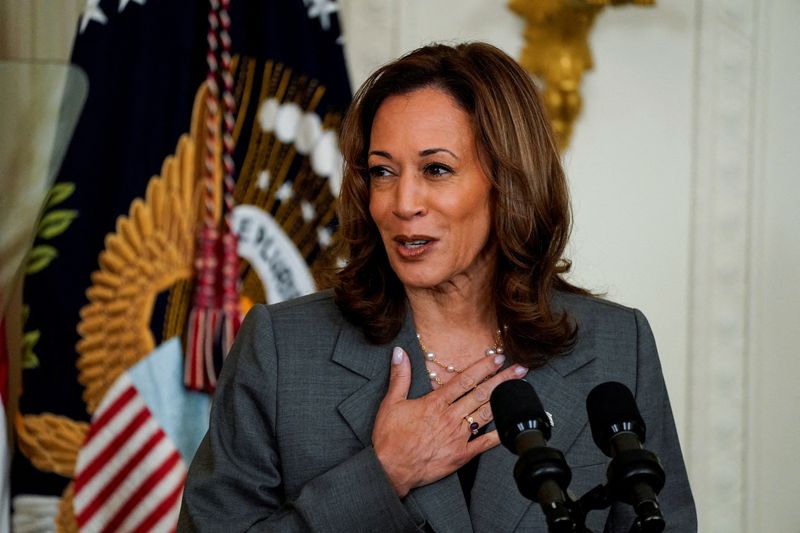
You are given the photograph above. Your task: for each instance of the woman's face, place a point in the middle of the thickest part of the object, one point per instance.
(429, 196)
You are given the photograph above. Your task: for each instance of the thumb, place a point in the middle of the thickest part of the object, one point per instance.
(399, 376)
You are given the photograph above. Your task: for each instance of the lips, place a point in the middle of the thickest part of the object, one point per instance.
(412, 246)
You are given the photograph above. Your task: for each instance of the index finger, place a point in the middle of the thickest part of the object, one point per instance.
(471, 377)
(481, 394)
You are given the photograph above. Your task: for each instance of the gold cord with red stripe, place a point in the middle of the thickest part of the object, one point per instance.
(215, 316)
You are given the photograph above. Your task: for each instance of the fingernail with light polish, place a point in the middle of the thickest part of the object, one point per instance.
(520, 371)
(397, 355)
(498, 360)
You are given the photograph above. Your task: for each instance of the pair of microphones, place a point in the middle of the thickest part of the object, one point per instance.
(635, 475)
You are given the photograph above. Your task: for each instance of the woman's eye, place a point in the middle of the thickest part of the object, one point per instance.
(378, 172)
(438, 169)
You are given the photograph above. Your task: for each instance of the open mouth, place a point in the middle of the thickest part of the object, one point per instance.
(413, 245)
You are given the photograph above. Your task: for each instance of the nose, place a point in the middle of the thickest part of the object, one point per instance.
(409, 199)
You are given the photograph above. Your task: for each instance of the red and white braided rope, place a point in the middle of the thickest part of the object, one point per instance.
(212, 99)
(229, 108)
(211, 329)
(230, 268)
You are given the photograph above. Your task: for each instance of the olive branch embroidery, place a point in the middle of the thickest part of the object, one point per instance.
(53, 223)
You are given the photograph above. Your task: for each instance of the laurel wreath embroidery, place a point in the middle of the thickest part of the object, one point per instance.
(51, 441)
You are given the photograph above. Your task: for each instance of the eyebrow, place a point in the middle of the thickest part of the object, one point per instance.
(431, 151)
(424, 153)
(380, 153)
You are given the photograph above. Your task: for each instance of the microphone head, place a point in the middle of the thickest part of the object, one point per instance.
(612, 409)
(516, 407)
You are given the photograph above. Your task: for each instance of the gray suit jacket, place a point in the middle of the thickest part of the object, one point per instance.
(289, 443)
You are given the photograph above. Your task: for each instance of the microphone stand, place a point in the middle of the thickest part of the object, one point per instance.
(600, 498)
(632, 475)
(543, 475)
(545, 471)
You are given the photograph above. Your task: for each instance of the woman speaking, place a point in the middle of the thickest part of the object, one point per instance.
(365, 408)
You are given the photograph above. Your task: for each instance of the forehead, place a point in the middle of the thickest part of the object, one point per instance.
(422, 116)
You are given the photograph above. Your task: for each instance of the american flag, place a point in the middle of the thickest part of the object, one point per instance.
(129, 475)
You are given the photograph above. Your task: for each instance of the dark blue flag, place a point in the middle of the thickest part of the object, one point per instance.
(116, 280)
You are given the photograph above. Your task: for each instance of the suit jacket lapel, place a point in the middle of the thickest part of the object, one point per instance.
(497, 504)
(353, 352)
(564, 399)
(372, 362)
(442, 503)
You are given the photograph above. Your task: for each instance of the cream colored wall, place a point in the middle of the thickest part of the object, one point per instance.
(683, 172)
(772, 402)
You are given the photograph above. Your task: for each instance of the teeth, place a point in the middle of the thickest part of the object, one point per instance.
(414, 244)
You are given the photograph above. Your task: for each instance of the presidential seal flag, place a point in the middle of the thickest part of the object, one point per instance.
(106, 426)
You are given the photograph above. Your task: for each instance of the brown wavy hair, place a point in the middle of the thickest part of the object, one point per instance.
(532, 215)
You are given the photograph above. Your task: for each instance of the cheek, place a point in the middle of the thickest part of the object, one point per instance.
(377, 209)
(482, 224)
(475, 214)
(471, 231)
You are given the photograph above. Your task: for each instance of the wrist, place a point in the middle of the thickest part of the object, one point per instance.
(399, 481)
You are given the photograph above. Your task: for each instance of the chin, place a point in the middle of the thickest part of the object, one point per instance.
(426, 280)
(417, 280)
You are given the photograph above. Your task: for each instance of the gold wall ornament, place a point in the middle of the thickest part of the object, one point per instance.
(557, 51)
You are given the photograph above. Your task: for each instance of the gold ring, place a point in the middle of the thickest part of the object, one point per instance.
(473, 426)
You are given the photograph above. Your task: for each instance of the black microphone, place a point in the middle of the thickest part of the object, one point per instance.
(635, 475)
(541, 473)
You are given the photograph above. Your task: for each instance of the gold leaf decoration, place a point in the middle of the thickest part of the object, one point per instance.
(51, 442)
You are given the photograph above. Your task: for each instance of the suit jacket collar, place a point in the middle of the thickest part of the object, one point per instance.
(497, 505)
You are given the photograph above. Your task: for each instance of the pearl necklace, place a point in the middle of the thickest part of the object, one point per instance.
(432, 358)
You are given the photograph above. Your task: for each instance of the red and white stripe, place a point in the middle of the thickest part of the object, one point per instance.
(129, 476)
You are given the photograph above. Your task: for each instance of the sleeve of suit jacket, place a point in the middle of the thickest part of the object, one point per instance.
(234, 482)
(676, 499)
